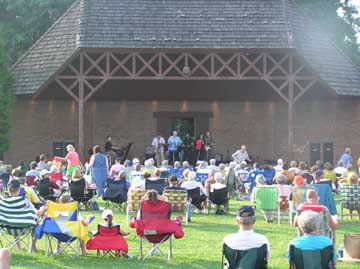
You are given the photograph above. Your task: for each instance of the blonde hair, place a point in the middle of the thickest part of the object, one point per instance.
(70, 147)
(76, 174)
(64, 199)
(352, 178)
(151, 195)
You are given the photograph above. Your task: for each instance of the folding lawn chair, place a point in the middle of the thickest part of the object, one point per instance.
(298, 196)
(202, 177)
(155, 227)
(266, 200)
(16, 220)
(43, 188)
(179, 202)
(108, 241)
(30, 181)
(349, 197)
(133, 201)
(78, 193)
(157, 185)
(311, 259)
(115, 192)
(326, 196)
(284, 192)
(254, 258)
(321, 210)
(62, 224)
(219, 197)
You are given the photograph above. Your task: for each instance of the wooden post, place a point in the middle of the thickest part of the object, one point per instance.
(291, 104)
(81, 105)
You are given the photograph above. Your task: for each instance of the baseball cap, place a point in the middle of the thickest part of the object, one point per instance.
(44, 172)
(246, 211)
(106, 213)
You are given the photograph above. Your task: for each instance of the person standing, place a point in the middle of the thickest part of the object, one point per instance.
(72, 159)
(200, 148)
(187, 149)
(158, 143)
(241, 155)
(174, 143)
(209, 146)
(100, 167)
(346, 158)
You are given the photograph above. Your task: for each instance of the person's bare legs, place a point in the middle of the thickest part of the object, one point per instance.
(350, 214)
(5, 258)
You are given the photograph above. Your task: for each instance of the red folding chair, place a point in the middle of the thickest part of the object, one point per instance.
(155, 227)
(108, 241)
(30, 181)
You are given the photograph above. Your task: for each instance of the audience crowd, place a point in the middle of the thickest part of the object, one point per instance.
(240, 180)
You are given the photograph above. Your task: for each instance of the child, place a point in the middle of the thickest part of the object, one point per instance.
(107, 216)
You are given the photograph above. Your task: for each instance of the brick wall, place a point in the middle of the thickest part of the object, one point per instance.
(260, 126)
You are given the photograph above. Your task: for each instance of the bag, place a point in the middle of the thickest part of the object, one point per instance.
(94, 205)
(89, 178)
(351, 246)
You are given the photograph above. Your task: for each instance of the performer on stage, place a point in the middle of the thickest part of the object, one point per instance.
(200, 150)
(188, 149)
(209, 146)
(158, 143)
(109, 149)
(174, 143)
(241, 155)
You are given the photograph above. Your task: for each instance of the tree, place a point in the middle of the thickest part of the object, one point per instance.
(6, 99)
(342, 28)
(22, 22)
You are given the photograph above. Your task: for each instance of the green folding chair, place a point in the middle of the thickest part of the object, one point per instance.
(311, 259)
(266, 200)
(254, 258)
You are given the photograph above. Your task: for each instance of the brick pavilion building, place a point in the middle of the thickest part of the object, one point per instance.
(254, 72)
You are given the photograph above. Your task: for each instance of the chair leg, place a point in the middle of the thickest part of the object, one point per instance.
(170, 248)
(140, 248)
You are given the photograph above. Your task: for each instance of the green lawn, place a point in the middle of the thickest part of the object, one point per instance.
(200, 247)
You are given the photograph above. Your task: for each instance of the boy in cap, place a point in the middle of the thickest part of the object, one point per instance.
(246, 238)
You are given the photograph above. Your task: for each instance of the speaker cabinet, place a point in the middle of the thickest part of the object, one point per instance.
(315, 153)
(328, 152)
(58, 148)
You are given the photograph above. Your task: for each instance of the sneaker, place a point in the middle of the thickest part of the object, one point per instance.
(196, 211)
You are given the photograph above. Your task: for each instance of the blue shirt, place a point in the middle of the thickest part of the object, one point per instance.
(346, 158)
(311, 242)
(175, 142)
(269, 175)
(251, 177)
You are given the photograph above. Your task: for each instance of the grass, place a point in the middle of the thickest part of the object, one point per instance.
(200, 247)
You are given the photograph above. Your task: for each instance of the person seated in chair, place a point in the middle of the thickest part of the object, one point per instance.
(30, 193)
(55, 190)
(89, 188)
(246, 238)
(14, 191)
(192, 184)
(312, 199)
(218, 185)
(173, 184)
(33, 170)
(117, 167)
(309, 224)
(107, 215)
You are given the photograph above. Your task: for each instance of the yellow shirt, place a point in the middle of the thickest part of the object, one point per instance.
(329, 174)
(31, 195)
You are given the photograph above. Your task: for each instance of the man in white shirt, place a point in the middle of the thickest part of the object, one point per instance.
(192, 184)
(279, 165)
(246, 238)
(158, 143)
(216, 187)
(241, 155)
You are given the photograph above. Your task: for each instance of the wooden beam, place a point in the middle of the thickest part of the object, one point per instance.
(291, 105)
(81, 105)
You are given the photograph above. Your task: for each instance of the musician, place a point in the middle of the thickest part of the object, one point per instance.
(200, 150)
(174, 143)
(158, 143)
(209, 146)
(241, 155)
(187, 149)
(109, 148)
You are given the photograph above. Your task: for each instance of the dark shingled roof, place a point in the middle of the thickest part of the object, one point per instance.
(186, 24)
(48, 54)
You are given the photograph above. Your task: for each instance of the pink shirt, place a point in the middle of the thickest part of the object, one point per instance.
(117, 167)
(73, 159)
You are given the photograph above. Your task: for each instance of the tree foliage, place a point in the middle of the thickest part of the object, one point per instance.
(6, 99)
(339, 19)
(22, 22)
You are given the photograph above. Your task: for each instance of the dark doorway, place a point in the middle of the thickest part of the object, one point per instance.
(183, 126)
